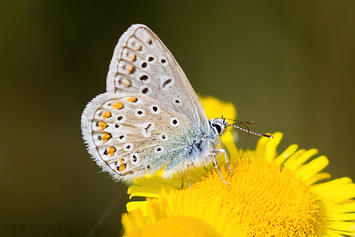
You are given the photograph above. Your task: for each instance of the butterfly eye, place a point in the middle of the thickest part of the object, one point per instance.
(217, 127)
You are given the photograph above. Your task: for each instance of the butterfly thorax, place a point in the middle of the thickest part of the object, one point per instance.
(201, 149)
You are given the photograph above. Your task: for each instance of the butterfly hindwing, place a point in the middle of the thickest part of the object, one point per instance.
(132, 135)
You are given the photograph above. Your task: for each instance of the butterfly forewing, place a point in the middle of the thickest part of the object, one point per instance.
(142, 64)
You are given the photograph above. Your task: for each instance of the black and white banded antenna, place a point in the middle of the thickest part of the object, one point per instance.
(246, 130)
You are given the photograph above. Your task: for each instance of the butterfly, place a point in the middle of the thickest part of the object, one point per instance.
(150, 117)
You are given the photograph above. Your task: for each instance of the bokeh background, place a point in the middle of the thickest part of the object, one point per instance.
(288, 65)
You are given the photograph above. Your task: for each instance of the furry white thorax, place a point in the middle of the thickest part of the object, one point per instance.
(202, 149)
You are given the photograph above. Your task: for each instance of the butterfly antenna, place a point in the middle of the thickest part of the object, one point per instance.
(247, 130)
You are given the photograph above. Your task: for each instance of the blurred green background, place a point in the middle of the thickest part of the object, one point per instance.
(288, 65)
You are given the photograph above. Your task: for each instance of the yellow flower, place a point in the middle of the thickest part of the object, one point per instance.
(181, 213)
(270, 194)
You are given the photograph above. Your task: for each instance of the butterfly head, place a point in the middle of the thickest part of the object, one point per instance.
(218, 125)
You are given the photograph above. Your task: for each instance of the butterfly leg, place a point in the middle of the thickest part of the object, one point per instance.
(182, 179)
(216, 165)
(188, 175)
(226, 157)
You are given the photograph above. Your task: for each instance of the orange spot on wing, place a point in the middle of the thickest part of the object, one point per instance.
(126, 82)
(106, 114)
(111, 151)
(130, 69)
(117, 105)
(102, 125)
(105, 137)
(132, 99)
(133, 57)
(122, 167)
(139, 47)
